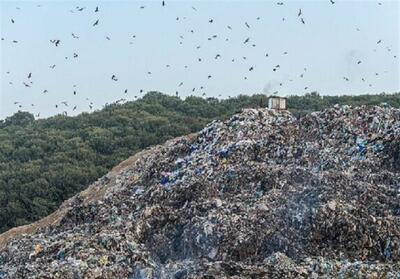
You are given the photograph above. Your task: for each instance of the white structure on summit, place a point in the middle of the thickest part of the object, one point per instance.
(275, 102)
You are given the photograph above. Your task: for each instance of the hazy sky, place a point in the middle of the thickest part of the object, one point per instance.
(329, 45)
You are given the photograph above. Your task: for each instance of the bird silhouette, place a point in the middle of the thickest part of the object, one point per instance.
(113, 77)
(332, 2)
(55, 42)
(12, 21)
(247, 25)
(299, 14)
(96, 23)
(96, 10)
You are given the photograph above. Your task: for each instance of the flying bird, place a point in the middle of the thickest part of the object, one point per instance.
(96, 23)
(55, 42)
(29, 75)
(12, 21)
(74, 36)
(299, 14)
(378, 42)
(96, 10)
(332, 2)
(302, 21)
(113, 77)
(247, 40)
(247, 25)
(163, 3)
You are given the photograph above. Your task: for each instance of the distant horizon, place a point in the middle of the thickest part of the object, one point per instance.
(183, 98)
(216, 48)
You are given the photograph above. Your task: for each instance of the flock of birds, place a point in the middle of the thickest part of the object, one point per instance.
(28, 83)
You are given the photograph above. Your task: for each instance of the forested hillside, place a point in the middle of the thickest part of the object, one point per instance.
(43, 162)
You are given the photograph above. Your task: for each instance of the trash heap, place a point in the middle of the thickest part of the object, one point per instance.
(261, 195)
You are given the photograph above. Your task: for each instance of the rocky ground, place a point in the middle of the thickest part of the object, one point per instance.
(261, 195)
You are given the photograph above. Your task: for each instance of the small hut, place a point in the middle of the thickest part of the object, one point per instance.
(279, 103)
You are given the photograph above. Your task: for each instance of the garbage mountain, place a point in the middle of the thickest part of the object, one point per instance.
(261, 195)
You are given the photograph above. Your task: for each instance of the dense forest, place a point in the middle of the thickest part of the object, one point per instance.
(43, 162)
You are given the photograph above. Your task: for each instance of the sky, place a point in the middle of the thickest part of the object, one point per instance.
(151, 47)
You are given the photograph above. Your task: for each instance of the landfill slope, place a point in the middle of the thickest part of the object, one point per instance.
(261, 195)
